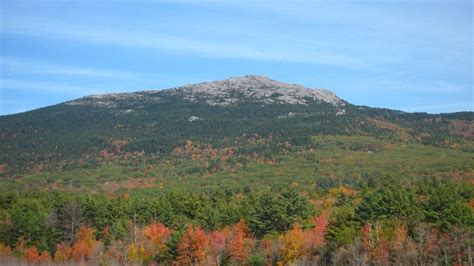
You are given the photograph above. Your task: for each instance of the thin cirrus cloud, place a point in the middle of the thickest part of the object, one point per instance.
(46, 87)
(153, 40)
(87, 77)
(35, 67)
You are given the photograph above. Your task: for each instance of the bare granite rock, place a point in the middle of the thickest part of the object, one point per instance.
(258, 88)
(223, 93)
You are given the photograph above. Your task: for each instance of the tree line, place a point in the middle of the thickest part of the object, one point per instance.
(422, 224)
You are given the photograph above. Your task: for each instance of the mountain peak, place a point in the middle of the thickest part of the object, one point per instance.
(226, 92)
(256, 88)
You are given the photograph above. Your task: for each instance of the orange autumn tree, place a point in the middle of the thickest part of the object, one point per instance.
(85, 244)
(5, 250)
(192, 248)
(239, 246)
(33, 256)
(158, 234)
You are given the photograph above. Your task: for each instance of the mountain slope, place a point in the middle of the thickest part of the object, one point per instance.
(224, 114)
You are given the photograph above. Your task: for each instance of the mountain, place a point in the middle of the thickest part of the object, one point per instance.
(283, 173)
(221, 114)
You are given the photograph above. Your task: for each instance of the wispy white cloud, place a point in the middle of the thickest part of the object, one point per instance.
(39, 71)
(46, 87)
(274, 49)
(366, 36)
(28, 66)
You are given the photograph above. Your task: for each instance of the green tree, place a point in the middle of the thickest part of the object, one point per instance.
(34, 220)
(389, 201)
(272, 212)
(445, 207)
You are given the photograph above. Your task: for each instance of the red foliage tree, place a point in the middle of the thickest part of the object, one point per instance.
(217, 241)
(381, 252)
(366, 230)
(316, 237)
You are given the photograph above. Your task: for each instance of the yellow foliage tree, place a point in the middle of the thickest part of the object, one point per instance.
(63, 252)
(136, 253)
(292, 245)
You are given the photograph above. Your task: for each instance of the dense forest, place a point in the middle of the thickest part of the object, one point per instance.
(429, 222)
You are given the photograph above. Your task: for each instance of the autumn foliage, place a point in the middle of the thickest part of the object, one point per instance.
(158, 234)
(240, 243)
(5, 250)
(136, 253)
(379, 244)
(217, 245)
(192, 247)
(63, 252)
(316, 237)
(340, 235)
(32, 255)
(292, 245)
(85, 244)
(297, 243)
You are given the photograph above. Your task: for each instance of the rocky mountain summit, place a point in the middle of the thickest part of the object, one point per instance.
(223, 93)
(257, 88)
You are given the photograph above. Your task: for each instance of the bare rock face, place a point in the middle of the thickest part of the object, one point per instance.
(257, 88)
(223, 93)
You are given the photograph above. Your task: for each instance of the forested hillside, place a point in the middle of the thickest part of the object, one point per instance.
(245, 171)
(153, 123)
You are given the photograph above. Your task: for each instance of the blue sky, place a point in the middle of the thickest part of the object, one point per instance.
(407, 55)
